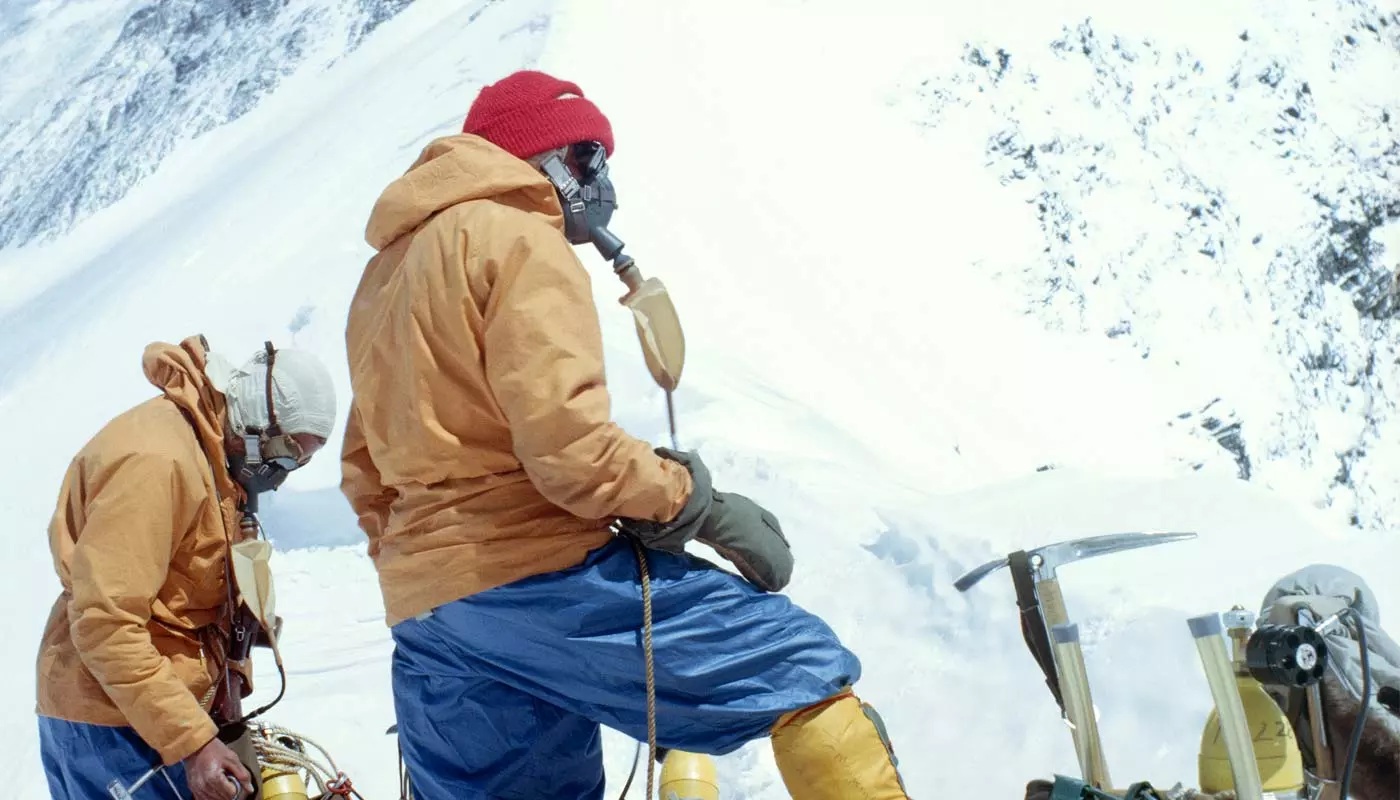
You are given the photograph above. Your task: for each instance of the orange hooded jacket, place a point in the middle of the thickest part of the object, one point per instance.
(139, 539)
(479, 447)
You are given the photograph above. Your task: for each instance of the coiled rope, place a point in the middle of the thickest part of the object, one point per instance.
(268, 743)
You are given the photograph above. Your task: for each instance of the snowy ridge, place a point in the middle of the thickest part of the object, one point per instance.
(1219, 199)
(174, 70)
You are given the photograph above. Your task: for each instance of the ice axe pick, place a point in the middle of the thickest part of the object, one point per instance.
(1045, 561)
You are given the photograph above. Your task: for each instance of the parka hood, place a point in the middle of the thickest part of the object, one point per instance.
(452, 170)
(179, 372)
(1325, 589)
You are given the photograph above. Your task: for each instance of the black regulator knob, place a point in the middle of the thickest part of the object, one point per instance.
(1286, 655)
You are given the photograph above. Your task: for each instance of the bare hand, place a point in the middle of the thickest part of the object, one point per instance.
(208, 770)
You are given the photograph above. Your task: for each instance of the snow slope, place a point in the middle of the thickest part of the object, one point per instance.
(1256, 150)
(853, 276)
(126, 93)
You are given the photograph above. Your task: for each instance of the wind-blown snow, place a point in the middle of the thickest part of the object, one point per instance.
(881, 348)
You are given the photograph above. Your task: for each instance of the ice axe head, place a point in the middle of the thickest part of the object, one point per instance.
(658, 324)
(1045, 560)
(253, 579)
(659, 329)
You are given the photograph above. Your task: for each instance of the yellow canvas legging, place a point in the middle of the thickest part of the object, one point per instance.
(835, 751)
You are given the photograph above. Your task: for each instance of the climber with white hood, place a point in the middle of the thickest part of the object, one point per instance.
(147, 516)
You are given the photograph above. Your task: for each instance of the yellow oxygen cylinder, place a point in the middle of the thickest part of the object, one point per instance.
(1276, 750)
(279, 785)
(688, 776)
(1275, 745)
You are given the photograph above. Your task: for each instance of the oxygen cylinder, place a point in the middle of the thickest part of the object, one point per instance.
(1276, 753)
(1277, 758)
(278, 785)
(688, 776)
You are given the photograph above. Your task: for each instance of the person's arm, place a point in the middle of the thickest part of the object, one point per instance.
(544, 363)
(360, 482)
(132, 523)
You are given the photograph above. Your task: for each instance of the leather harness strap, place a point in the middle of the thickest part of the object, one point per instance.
(1033, 622)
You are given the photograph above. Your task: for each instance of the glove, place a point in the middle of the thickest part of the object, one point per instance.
(750, 538)
(740, 530)
(672, 536)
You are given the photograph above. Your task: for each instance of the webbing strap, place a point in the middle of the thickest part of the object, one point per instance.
(273, 429)
(1033, 622)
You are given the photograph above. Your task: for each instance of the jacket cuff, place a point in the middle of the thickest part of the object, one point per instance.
(673, 535)
(188, 743)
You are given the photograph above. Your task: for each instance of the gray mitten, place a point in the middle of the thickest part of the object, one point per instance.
(750, 538)
(672, 536)
(742, 531)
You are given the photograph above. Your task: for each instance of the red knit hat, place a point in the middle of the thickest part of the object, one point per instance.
(526, 113)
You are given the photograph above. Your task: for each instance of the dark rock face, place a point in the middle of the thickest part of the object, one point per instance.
(1241, 200)
(177, 69)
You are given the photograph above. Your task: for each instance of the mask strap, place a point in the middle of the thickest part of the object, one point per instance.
(272, 429)
(577, 193)
(565, 183)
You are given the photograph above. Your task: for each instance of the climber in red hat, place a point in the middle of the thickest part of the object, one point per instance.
(488, 476)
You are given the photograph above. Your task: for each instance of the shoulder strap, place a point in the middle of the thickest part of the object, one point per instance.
(1033, 622)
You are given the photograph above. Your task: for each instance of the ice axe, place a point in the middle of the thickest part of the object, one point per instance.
(658, 324)
(1034, 573)
(663, 347)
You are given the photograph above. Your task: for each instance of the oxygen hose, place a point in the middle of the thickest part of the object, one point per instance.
(1359, 727)
(1355, 746)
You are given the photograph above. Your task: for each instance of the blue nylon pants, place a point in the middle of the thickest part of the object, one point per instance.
(500, 695)
(81, 759)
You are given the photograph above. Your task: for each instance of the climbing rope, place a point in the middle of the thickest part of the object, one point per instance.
(285, 751)
(646, 642)
(651, 671)
(650, 678)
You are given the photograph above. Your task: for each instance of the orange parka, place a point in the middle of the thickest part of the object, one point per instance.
(479, 447)
(139, 544)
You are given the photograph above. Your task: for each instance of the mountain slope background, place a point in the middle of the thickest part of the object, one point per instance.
(954, 282)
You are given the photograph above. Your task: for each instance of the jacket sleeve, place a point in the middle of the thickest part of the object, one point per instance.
(133, 520)
(360, 482)
(544, 361)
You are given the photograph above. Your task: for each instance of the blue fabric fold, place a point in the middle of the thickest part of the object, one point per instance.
(80, 760)
(501, 694)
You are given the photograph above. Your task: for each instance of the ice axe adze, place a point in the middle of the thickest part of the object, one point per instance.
(658, 324)
(1042, 605)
